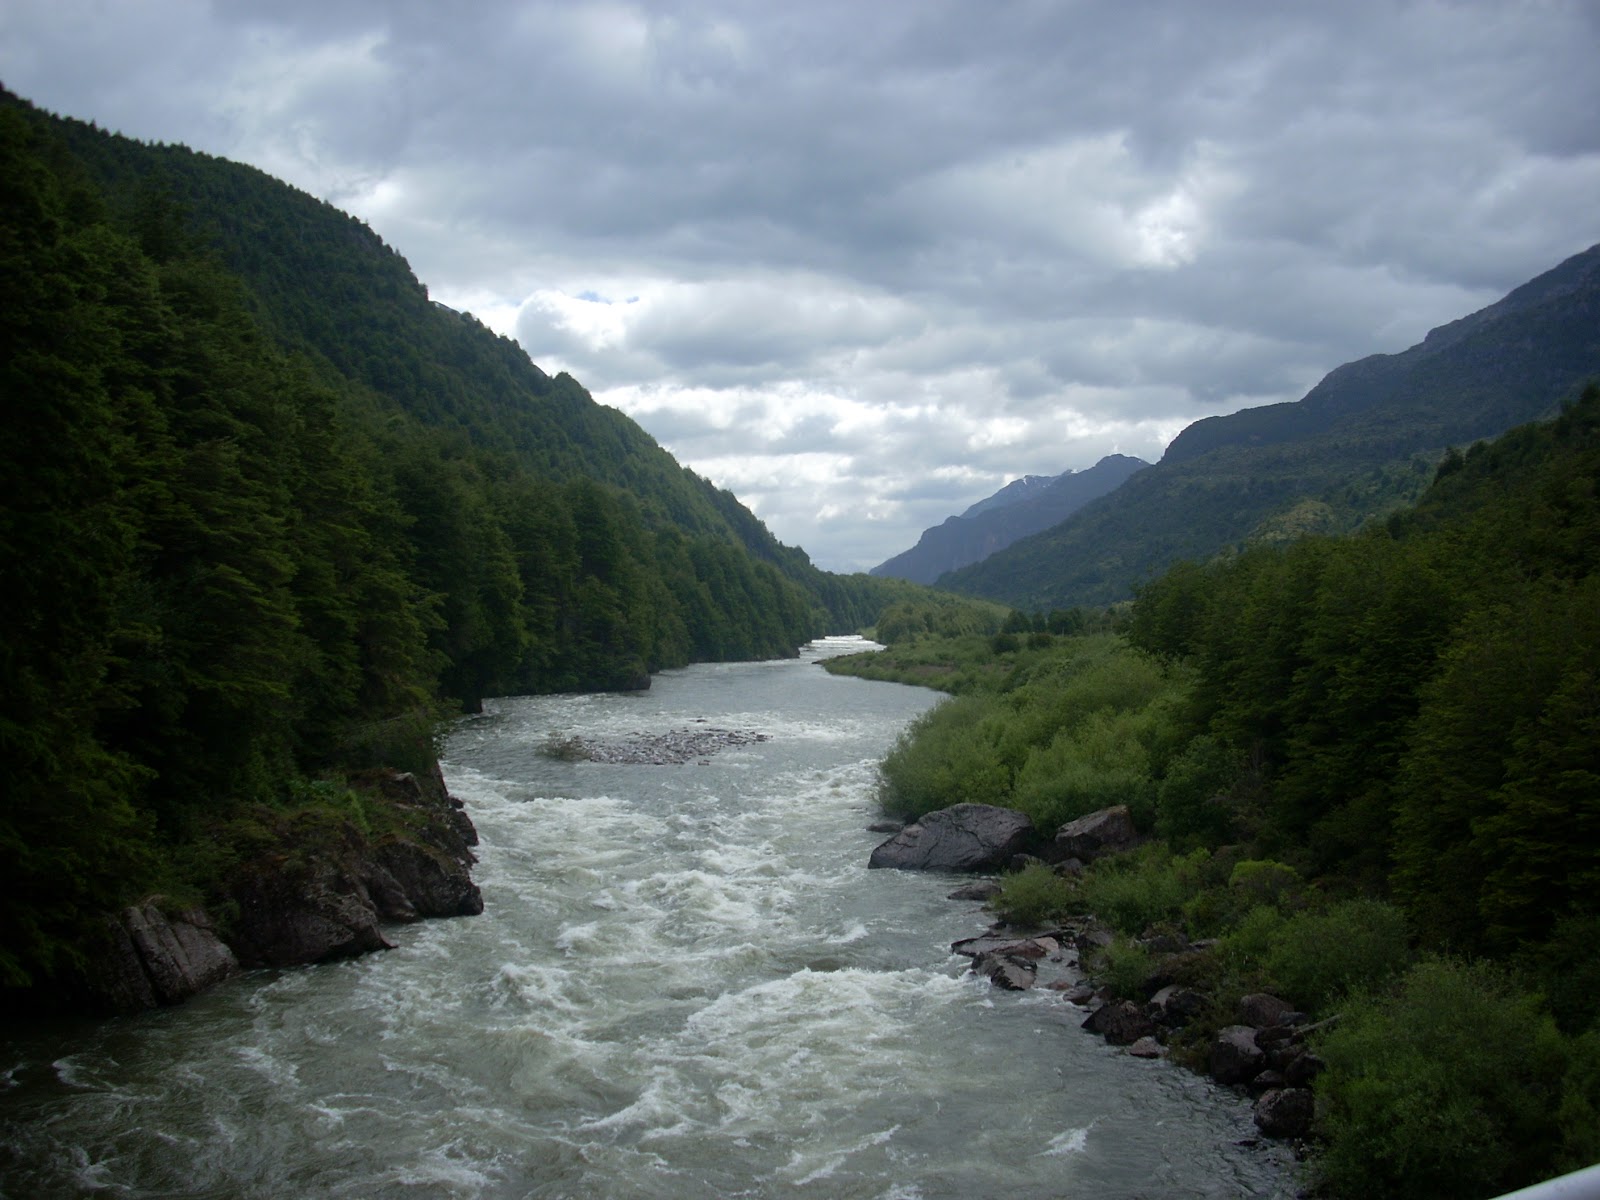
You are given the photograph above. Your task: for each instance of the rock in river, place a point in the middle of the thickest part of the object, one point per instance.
(963, 837)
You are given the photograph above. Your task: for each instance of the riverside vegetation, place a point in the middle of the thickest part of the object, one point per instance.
(267, 514)
(1370, 769)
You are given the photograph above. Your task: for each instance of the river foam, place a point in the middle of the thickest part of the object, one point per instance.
(685, 983)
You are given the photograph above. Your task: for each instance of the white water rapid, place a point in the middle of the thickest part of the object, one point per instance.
(685, 983)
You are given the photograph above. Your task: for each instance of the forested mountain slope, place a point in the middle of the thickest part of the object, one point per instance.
(1363, 440)
(266, 514)
(993, 524)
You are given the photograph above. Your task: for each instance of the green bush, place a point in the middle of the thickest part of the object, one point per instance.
(1579, 1114)
(1134, 891)
(1124, 968)
(946, 756)
(1263, 881)
(1034, 895)
(1316, 957)
(1443, 1089)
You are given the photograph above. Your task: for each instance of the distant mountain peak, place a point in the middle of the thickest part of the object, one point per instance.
(1014, 492)
(1024, 506)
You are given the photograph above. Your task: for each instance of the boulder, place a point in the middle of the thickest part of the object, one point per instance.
(1268, 1080)
(1285, 1112)
(1176, 1004)
(149, 958)
(1108, 831)
(984, 889)
(1235, 1057)
(1302, 1069)
(1122, 1023)
(1146, 1047)
(1004, 971)
(963, 837)
(1260, 1010)
(182, 953)
(317, 913)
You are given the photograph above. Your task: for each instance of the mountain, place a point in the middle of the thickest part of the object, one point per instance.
(1023, 506)
(1362, 442)
(1013, 492)
(268, 516)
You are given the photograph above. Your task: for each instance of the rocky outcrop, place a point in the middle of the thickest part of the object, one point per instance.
(1108, 831)
(310, 886)
(151, 958)
(963, 837)
(325, 895)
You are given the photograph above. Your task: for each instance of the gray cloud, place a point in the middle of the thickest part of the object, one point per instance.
(863, 264)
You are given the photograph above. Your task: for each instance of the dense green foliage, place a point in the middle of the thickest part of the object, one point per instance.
(267, 513)
(1420, 701)
(1055, 731)
(1373, 766)
(1361, 444)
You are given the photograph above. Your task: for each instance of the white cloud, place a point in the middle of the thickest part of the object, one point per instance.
(864, 264)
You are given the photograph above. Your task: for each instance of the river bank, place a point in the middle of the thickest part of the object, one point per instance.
(684, 983)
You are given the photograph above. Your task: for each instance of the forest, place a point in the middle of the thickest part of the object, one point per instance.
(1369, 769)
(269, 516)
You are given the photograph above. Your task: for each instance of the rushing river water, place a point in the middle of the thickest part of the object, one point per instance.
(685, 983)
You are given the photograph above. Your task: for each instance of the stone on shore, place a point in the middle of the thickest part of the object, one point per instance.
(1235, 1057)
(1108, 831)
(963, 837)
(1260, 1010)
(1146, 1047)
(1285, 1112)
(984, 889)
(1121, 1023)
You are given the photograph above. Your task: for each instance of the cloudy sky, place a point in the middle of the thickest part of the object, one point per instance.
(865, 262)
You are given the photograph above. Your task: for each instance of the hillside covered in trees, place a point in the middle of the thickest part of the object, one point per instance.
(1362, 443)
(1369, 769)
(268, 512)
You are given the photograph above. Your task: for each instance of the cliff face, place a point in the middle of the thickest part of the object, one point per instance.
(310, 889)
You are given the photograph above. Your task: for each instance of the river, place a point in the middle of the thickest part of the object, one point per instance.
(685, 983)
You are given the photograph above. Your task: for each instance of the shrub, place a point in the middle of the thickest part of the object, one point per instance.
(1315, 957)
(1102, 761)
(1579, 1114)
(1443, 1089)
(1263, 881)
(1033, 896)
(1247, 946)
(946, 756)
(1124, 968)
(1134, 891)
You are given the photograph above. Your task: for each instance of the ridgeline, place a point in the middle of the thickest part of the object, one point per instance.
(269, 513)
